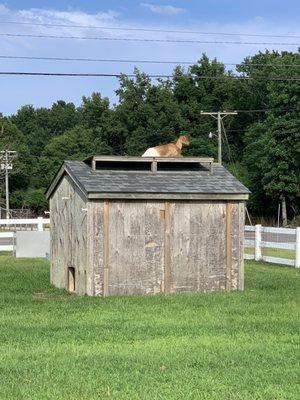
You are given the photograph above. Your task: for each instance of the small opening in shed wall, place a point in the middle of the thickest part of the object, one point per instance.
(71, 279)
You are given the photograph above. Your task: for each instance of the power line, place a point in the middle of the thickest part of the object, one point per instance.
(263, 65)
(228, 146)
(100, 60)
(145, 29)
(259, 111)
(138, 61)
(219, 116)
(231, 159)
(146, 40)
(109, 75)
(268, 109)
(79, 74)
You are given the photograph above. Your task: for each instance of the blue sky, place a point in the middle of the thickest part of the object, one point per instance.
(262, 17)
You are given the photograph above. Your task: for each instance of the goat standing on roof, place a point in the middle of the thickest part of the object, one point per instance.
(168, 150)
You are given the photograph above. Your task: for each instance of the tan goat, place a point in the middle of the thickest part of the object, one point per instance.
(168, 150)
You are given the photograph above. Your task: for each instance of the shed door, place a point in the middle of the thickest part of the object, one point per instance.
(135, 247)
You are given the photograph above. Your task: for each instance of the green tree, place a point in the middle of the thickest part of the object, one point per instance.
(277, 148)
(281, 178)
(30, 198)
(148, 113)
(195, 93)
(76, 144)
(11, 138)
(262, 147)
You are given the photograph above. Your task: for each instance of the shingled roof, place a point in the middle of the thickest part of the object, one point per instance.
(188, 178)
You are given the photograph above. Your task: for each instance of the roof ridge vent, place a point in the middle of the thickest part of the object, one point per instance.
(150, 164)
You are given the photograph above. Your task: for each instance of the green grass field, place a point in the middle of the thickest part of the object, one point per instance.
(201, 346)
(280, 253)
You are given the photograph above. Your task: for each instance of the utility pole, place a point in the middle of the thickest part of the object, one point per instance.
(219, 116)
(6, 158)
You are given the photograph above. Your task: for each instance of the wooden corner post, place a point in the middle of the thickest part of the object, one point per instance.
(167, 250)
(105, 247)
(228, 244)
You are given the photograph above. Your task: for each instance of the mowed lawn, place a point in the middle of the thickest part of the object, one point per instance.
(202, 346)
(280, 253)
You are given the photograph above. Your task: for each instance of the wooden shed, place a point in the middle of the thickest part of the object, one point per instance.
(132, 225)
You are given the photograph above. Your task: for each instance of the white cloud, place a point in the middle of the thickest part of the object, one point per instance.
(170, 10)
(3, 9)
(44, 90)
(74, 17)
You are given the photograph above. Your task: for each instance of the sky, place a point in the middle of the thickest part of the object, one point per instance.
(266, 17)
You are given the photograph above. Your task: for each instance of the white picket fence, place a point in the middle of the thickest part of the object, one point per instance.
(259, 238)
(8, 227)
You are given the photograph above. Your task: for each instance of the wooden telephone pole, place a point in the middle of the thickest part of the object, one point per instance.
(219, 115)
(6, 158)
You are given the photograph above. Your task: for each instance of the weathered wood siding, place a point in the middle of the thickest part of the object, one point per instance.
(198, 246)
(238, 227)
(78, 237)
(145, 247)
(59, 240)
(68, 224)
(207, 246)
(135, 247)
(95, 266)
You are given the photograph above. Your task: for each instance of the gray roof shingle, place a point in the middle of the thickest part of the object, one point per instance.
(220, 182)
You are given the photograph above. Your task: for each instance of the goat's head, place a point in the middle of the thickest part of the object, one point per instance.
(184, 140)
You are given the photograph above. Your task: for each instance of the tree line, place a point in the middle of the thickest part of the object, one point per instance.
(261, 145)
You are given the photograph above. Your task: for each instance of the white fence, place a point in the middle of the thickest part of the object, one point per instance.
(8, 227)
(274, 245)
(6, 238)
(282, 245)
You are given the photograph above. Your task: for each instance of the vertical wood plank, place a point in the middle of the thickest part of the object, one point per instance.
(167, 250)
(198, 246)
(136, 247)
(90, 287)
(154, 167)
(241, 242)
(77, 236)
(53, 235)
(236, 244)
(228, 244)
(105, 247)
(59, 225)
(95, 249)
